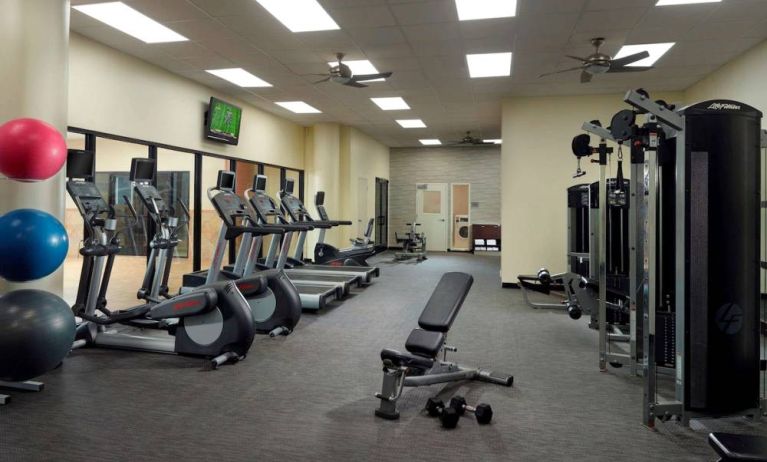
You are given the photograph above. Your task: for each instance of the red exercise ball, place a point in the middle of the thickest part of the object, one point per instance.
(31, 150)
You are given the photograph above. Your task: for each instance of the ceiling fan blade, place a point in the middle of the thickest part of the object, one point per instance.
(323, 80)
(576, 57)
(355, 84)
(629, 69)
(561, 71)
(323, 75)
(626, 60)
(586, 77)
(364, 77)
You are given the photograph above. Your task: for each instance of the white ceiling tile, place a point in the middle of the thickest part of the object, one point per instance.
(424, 44)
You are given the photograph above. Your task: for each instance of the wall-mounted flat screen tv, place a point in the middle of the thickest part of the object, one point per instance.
(223, 122)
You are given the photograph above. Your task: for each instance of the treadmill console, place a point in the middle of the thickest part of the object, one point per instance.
(229, 207)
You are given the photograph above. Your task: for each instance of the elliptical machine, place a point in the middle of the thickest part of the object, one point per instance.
(213, 321)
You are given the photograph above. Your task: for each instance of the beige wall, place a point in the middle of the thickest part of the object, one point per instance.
(367, 159)
(336, 158)
(536, 169)
(742, 80)
(113, 92)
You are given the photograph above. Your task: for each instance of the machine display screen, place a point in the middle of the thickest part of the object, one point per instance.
(142, 170)
(80, 164)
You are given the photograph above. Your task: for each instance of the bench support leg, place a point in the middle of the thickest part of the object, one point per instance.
(391, 390)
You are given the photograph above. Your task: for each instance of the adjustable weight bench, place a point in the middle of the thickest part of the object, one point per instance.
(421, 366)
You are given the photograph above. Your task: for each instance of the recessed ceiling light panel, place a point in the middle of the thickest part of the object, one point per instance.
(411, 123)
(656, 50)
(489, 65)
(683, 2)
(299, 107)
(485, 9)
(430, 142)
(496, 141)
(239, 77)
(391, 104)
(300, 15)
(127, 20)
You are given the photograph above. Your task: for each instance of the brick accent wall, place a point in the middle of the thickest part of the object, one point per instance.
(480, 166)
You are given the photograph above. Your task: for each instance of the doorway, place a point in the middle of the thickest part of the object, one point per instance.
(432, 214)
(382, 213)
(460, 216)
(362, 206)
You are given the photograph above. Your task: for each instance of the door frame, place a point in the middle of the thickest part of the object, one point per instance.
(445, 187)
(451, 233)
(381, 213)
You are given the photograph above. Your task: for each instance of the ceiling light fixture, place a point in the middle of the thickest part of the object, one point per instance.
(683, 2)
(127, 20)
(656, 50)
(391, 104)
(300, 15)
(411, 123)
(485, 9)
(239, 77)
(430, 142)
(489, 65)
(496, 141)
(299, 107)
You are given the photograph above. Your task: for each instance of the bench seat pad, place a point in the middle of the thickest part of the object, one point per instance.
(425, 343)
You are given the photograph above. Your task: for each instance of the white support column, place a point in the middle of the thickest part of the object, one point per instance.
(34, 50)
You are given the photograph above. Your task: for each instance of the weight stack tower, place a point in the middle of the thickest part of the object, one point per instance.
(718, 253)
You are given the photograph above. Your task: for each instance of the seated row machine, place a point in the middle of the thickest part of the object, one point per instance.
(421, 365)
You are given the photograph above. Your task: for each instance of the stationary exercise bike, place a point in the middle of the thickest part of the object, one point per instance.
(212, 322)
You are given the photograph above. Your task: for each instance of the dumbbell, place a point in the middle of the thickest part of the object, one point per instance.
(448, 416)
(482, 412)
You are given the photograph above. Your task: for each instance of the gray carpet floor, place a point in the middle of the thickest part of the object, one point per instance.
(309, 396)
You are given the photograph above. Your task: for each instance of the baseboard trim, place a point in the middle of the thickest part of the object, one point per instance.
(510, 285)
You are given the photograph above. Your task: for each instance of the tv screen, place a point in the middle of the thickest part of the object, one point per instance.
(223, 121)
(225, 181)
(142, 170)
(80, 164)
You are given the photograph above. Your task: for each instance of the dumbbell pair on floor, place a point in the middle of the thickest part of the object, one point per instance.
(450, 414)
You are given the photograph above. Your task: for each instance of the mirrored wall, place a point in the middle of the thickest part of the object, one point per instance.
(183, 179)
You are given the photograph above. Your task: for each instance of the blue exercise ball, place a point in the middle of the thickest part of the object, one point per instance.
(33, 244)
(37, 329)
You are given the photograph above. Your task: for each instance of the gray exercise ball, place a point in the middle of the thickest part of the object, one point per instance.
(37, 329)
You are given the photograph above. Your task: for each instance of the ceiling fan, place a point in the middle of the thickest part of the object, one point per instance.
(469, 140)
(600, 63)
(342, 74)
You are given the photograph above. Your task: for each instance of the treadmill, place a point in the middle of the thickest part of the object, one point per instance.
(235, 215)
(268, 212)
(299, 215)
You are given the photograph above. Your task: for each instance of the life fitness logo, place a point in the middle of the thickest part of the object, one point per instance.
(729, 318)
(721, 106)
